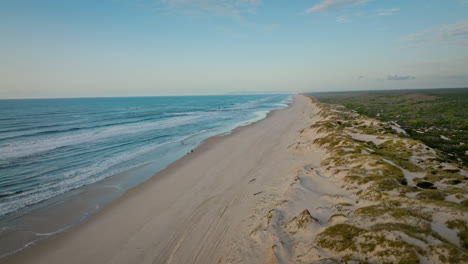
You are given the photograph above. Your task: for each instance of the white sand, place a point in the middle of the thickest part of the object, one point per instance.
(194, 211)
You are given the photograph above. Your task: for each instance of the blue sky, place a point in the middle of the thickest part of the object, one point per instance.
(174, 47)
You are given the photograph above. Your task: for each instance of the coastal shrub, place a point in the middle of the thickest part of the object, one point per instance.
(417, 231)
(461, 227)
(431, 195)
(356, 244)
(464, 202)
(415, 122)
(398, 155)
(387, 184)
(369, 130)
(339, 237)
(455, 191)
(389, 170)
(457, 224)
(354, 179)
(401, 213)
(395, 209)
(401, 251)
(439, 175)
(372, 211)
(331, 141)
(448, 204)
(452, 171)
(453, 182)
(448, 254)
(403, 210)
(392, 203)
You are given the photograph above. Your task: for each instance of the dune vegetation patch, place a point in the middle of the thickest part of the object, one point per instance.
(406, 183)
(393, 200)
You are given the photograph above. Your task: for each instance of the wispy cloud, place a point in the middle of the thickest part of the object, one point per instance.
(400, 77)
(348, 18)
(330, 5)
(456, 33)
(388, 12)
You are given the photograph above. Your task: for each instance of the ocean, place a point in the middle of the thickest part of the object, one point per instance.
(61, 160)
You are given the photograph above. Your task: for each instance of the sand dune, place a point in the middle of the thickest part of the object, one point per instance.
(359, 200)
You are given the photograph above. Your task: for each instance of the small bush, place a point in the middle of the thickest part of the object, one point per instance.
(464, 202)
(339, 237)
(462, 229)
(431, 195)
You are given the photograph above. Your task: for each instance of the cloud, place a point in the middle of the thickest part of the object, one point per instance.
(400, 77)
(456, 33)
(330, 5)
(388, 12)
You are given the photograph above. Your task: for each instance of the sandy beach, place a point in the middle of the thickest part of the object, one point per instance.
(193, 211)
(312, 183)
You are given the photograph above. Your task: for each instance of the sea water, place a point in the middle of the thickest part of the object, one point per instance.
(54, 150)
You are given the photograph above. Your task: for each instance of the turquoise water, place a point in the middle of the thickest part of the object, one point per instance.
(49, 147)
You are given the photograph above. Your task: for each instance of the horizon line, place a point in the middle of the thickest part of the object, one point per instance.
(229, 94)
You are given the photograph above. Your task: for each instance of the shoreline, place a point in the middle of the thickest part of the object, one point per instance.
(71, 210)
(31, 253)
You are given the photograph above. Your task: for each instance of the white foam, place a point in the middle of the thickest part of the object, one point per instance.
(249, 104)
(27, 148)
(54, 232)
(81, 177)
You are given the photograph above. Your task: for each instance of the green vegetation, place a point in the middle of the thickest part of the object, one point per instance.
(396, 211)
(462, 228)
(437, 117)
(447, 176)
(465, 203)
(406, 184)
(340, 237)
(356, 243)
(431, 195)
